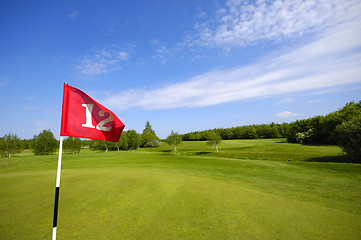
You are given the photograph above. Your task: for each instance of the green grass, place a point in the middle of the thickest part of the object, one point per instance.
(262, 149)
(191, 194)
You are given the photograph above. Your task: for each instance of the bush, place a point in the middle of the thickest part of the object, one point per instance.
(349, 138)
(44, 143)
(72, 144)
(10, 144)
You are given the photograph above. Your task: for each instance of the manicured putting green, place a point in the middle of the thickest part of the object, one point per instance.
(157, 195)
(138, 204)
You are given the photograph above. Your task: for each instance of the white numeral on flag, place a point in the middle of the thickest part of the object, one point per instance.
(105, 121)
(88, 115)
(89, 120)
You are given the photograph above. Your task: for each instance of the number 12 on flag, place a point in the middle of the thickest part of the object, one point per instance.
(83, 117)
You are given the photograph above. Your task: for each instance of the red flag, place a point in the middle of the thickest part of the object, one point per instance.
(85, 118)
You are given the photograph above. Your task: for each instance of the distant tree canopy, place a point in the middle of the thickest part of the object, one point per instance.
(174, 139)
(72, 144)
(322, 129)
(349, 138)
(214, 139)
(341, 127)
(129, 140)
(134, 139)
(148, 128)
(10, 144)
(318, 129)
(272, 130)
(123, 143)
(44, 143)
(149, 138)
(314, 130)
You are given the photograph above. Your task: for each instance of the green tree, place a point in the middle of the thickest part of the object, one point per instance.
(72, 144)
(25, 143)
(214, 139)
(174, 139)
(149, 138)
(247, 132)
(123, 142)
(148, 128)
(349, 138)
(268, 131)
(322, 129)
(134, 139)
(106, 145)
(10, 144)
(95, 144)
(44, 143)
(101, 145)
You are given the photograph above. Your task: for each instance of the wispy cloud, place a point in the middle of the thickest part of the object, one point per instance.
(246, 23)
(287, 114)
(161, 52)
(42, 125)
(73, 15)
(315, 101)
(242, 23)
(333, 60)
(284, 101)
(102, 62)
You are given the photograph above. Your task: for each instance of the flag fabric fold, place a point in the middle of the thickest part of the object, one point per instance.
(83, 117)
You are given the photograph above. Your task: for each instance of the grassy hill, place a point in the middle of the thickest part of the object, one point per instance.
(251, 189)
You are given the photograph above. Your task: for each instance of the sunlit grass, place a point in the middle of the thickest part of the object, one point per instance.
(189, 194)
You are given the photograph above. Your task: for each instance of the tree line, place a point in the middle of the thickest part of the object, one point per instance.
(314, 130)
(342, 127)
(272, 130)
(129, 140)
(45, 143)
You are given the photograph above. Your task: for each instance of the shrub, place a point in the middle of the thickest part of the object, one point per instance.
(349, 138)
(44, 143)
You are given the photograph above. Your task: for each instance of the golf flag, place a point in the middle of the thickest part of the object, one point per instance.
(83, 117)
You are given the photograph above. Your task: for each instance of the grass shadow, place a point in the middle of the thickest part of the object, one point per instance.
(202, 153)
(165, 151)
(335, 159)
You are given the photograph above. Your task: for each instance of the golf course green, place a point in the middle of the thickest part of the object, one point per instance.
(251, 189)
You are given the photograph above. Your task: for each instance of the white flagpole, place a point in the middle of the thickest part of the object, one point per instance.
(57, 186)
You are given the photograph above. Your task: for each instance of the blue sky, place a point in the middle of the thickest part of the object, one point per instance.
(182, 65)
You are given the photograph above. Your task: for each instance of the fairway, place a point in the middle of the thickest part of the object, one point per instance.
(264, 189)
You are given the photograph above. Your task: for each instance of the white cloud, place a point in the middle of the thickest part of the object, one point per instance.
(287, 114)
(102, 62)
(332, 61)
(162, 53)
(284, 101)
(42, 125)
(73, 15)
(202, 15)
(243, 23)
(315, 101)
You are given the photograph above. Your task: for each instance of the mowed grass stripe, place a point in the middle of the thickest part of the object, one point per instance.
(138, 204)
(331, 185)
(159, 205)
(155, 195)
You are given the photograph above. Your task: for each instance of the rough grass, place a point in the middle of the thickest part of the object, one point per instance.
(185, 195)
